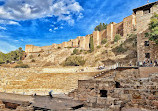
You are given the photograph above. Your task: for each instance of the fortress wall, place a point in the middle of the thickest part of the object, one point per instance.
(118, 29)
(32, 48)
(96, 38)
(103, 34)
(59, 45)
(46, 47)
(82, 42)
(75, 43)
(87, 41)
(129, 24)
(110, 32)
(54, 45)
(64, 44)
(69, 43)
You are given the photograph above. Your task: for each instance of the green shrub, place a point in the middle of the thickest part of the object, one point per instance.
(98, 47)
(19, 62)
(39, 55)
(74, 61)
(69, 47)
(81, 50)
(104, 52)
(22, 66)
(117, 38)
(91, 44)
(76, 51)
(104, 41)
(33, 60)
(119, 49)
(31, 56)
(86, 52)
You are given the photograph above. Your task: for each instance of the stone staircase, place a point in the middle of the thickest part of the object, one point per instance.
(108, 69)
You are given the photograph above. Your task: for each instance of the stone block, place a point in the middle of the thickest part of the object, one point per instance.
(92, 99)
(101, 100)
(155, 103)
(2, 106)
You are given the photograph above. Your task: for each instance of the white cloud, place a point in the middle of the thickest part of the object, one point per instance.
(50, 30)
(32, 9)
(9, 22)
(52, 25)
(2, 28)
(56, 28)
(61, 27)
(8, 47)
(80, 16)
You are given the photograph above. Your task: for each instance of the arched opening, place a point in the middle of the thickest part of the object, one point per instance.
(103, 93)
(117, 84)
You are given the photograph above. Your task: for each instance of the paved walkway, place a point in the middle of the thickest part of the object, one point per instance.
(44, 102)
(134, 109)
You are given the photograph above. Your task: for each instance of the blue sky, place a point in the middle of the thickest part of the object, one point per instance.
(44, 22)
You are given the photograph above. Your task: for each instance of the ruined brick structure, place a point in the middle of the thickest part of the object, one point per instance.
(122, 88)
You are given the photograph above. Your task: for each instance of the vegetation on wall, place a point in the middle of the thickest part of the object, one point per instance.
(91, 44)
(76, 51)
(74, 61)
(117, 37)
(153, 29)
(11, 56)
(119, 49)
(100, 27)
(129, 44)
(104, 41)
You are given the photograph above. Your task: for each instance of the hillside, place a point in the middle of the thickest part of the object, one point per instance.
(123, 51)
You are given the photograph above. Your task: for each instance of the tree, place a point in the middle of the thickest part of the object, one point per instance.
(11, 56)
(117, 37)
(91, 44)
(100, 27)
(20, 53)
(153, 29)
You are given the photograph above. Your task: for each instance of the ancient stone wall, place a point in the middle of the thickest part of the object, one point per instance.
(146, 71)
(129, 25)
(126, 91)
(82, 42)
(32, 48)
(87, 42)
(91, 88)
(143, 20)
(103, 34)
(75, 43)
(142, 49)
(46, 47)
(96, 38)
(110, 32)
(118, 29)
(54, 46)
